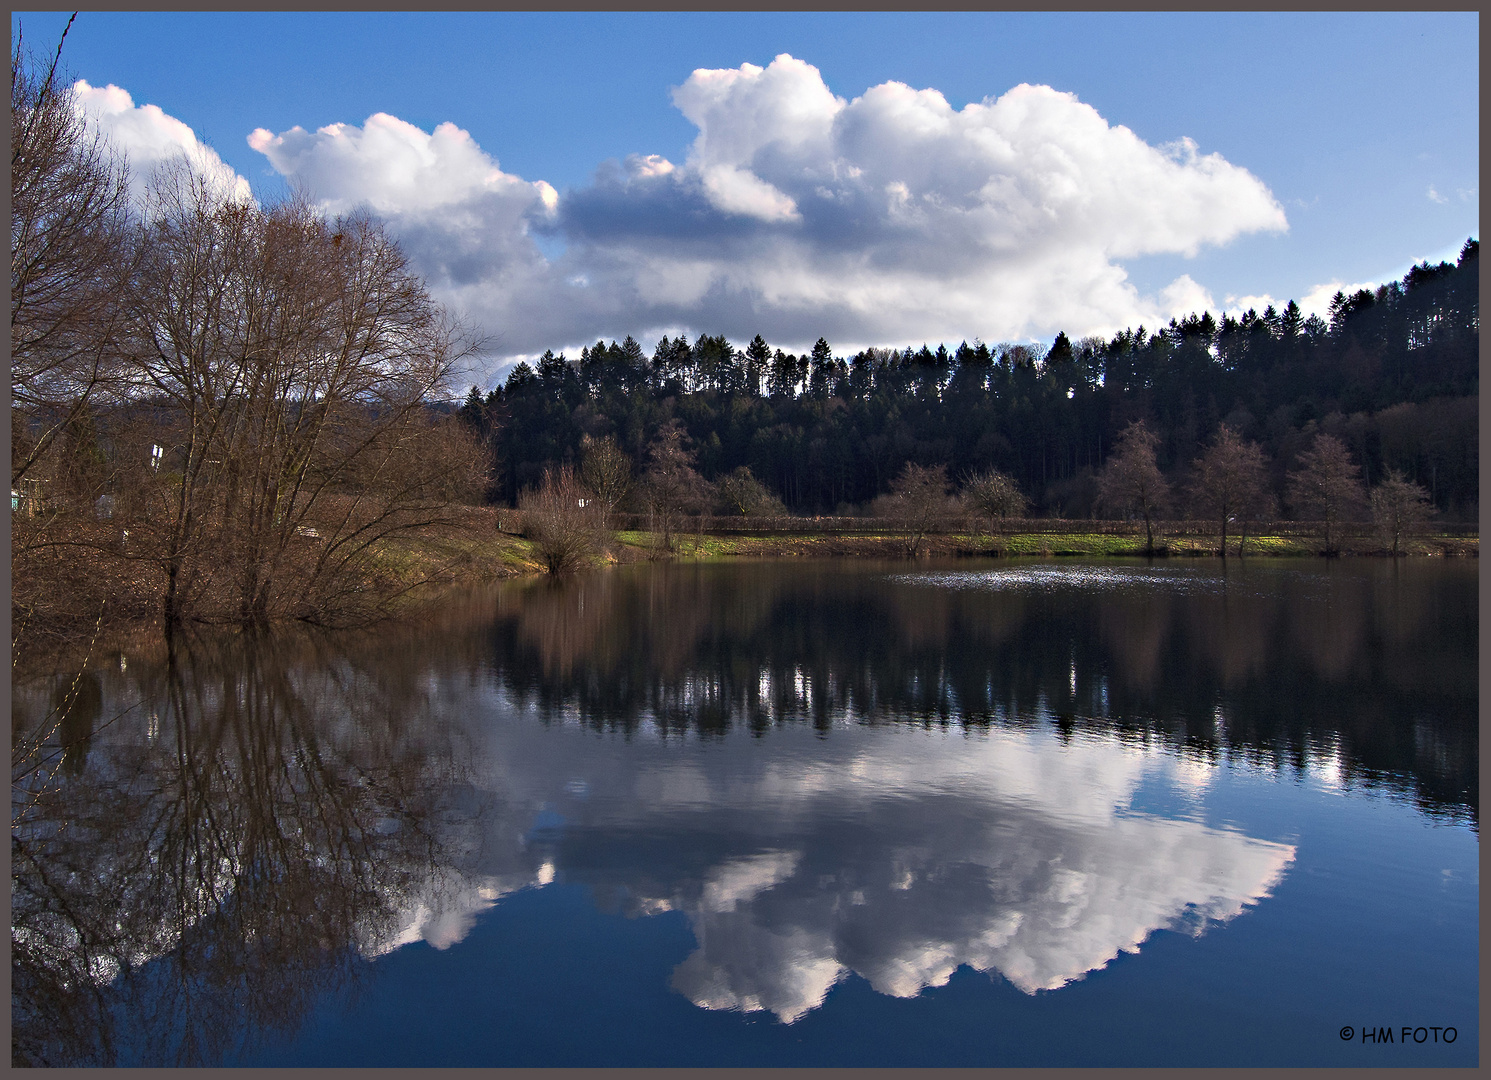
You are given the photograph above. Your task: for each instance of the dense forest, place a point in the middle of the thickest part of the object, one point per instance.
(1393, 374)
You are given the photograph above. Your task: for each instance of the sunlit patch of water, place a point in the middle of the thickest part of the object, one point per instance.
(1083, 576)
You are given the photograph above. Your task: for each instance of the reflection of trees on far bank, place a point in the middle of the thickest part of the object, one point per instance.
(1355, 672)
(221, 855)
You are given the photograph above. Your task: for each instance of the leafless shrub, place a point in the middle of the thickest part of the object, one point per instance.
(992, 494)
(741, 493)
(564, 519)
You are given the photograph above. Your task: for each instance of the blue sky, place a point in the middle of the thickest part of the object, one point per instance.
(1328, 149)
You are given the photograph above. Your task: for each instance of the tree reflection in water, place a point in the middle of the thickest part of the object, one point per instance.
(1366, 670)
(213, 872)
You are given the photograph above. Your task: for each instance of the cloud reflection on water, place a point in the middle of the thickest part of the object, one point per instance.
(887, 853)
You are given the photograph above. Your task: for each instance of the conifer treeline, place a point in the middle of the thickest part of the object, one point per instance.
(1392, 373)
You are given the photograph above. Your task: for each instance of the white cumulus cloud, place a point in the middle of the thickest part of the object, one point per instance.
(888, 218)
(148, 138)
(896, 218)
(396, 168)
(464, 222)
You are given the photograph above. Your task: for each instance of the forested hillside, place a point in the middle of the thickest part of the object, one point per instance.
(1393, 374)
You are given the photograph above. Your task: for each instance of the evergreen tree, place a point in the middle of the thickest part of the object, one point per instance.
(757, 366)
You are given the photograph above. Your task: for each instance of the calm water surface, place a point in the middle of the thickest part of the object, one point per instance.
(970, 813)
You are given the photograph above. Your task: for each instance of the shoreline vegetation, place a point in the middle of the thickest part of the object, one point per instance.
(1065, 543)
(486, 545)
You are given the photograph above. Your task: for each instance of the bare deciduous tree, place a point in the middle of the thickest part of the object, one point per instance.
(1399, 508)
(1327, 486)
(1131, 482)
(607, 471)
(287, 361)
(1230, 483)
(229, 403)
(69, 253)
(671, 487)
(290, 358)
(918, 497)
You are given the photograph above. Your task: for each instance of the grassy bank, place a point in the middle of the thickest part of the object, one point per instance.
(472, 552)
(891, 545)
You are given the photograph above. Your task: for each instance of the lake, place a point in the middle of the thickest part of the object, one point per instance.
(977, 812)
